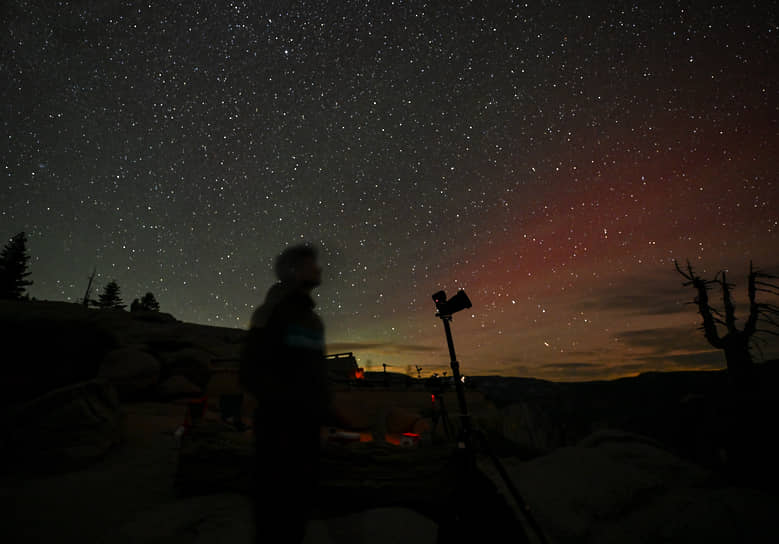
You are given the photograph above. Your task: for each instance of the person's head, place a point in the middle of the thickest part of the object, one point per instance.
(297, 265)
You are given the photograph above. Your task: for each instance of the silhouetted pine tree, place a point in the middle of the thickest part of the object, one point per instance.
(109, 298)
(148, 302)
(13, 268)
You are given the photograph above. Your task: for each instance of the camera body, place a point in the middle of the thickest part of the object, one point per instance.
(458, 302)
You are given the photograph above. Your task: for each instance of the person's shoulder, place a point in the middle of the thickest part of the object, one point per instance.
(298, 300)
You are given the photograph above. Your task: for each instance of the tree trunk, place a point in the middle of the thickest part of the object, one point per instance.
(739, 360)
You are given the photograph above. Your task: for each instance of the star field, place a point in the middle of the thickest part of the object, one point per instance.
(551, 159)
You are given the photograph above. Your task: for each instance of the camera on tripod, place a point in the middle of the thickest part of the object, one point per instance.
(458, 302)
(465, 444)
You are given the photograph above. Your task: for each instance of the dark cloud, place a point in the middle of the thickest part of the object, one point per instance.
(379, 346)
(664, 339)
(510, 370)
(571, 366)
(589, 371)
(647, 295)
(673, 348)
(661, 294)
(656, 304)
(714, 359)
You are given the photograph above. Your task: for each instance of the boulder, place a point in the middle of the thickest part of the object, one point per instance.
(192, 363)
(47, 346)
(177, 387)
(133, 372)
(66, 428)
(622, 487)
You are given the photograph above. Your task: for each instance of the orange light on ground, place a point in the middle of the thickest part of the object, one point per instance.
(359, 374)
(335, 435)
(405, 440)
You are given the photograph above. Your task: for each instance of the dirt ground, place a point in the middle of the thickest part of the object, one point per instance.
(129, 497)
(83, 505)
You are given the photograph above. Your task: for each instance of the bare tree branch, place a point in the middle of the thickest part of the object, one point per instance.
(730, 310)
(767, 284)
(769, 291)
(771, 308)
(751, 324)
(770, 320)
(702, 300)
(676, 264)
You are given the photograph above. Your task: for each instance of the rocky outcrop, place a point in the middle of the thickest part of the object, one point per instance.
(192, 363)
(66, 428)
(53, 344)
(622, 487)
(48, 345)
(133, 372)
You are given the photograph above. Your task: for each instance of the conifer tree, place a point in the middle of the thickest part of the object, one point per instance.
(13, 268)
(148, 302)
(109, 298)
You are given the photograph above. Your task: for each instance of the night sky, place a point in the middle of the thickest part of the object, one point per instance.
(550, 158)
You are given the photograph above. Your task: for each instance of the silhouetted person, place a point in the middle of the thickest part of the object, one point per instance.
(284, 367)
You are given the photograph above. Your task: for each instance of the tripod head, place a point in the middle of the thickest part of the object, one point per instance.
(447, 307)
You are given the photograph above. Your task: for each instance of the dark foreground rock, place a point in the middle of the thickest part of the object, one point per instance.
(699, 416)
(618, 487)
(227, 518)
(133, 372)
(64, 429)
(49, 345)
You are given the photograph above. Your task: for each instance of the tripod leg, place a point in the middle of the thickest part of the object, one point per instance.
(446, 422)
(476, 511)
(512, 488)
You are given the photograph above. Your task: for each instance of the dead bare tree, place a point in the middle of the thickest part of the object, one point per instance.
(89, 288)
(736, 343)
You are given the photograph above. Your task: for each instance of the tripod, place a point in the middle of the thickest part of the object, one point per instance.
(468, 435)
(440, 414)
